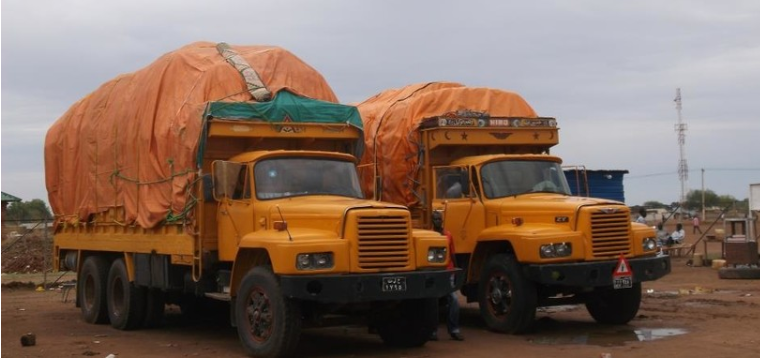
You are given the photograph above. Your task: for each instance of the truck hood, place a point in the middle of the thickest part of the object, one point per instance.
(325, 212)
(545, 207)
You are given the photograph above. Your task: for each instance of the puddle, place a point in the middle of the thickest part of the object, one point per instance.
(607, 337)
(651, 334)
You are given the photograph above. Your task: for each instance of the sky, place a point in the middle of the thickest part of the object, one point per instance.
(607, 70)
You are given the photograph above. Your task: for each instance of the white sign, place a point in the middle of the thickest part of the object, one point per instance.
(754, 197)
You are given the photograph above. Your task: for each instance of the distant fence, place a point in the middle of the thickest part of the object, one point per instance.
(27, 246)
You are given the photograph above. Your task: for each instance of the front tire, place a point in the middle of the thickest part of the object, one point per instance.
(410, 324)
(91, 290)
(126, 302)
(610, 306)
(507, 299)
(268, 324)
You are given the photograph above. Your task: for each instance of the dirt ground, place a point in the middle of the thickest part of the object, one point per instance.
(689, 313)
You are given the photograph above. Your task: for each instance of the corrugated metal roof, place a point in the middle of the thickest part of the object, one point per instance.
(9, 197)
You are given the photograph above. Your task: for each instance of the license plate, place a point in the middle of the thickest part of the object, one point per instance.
(622, 282)
(394, 284)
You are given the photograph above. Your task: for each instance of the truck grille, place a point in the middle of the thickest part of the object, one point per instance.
(609, 233)
(383, 242)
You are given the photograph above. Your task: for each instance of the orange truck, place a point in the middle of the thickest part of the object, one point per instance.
(191, 180)
(481, 157)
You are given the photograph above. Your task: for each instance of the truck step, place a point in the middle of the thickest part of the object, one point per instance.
(218, 296)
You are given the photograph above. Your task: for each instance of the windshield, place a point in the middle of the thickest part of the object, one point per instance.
(286, 177)
(508, 178)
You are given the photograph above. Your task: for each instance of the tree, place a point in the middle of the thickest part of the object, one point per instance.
(34, 210)
(694, 199)
(725, 200)
(654, 204)
(743, 205)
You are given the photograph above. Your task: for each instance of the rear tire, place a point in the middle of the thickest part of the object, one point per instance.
(410, 324)
(610, 306)
(126, 302)
(268, 324)
(507, 299)
(91, 289)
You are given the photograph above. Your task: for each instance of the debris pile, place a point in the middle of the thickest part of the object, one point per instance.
(24, 254)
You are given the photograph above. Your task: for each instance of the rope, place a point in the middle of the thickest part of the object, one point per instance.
(117, 174)
(190, 203)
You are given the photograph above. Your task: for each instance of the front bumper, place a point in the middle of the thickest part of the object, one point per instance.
(351, 288)
(597, 274)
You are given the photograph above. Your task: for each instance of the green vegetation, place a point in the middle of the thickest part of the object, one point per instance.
(694, 201)
(23, 211)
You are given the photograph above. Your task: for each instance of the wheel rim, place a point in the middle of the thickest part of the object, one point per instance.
(499, 295)
(117, 297)
(260, 315)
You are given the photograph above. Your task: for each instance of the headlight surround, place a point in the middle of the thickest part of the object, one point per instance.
(649, 244)
(554, 250)
(437, 254)
(315, 261)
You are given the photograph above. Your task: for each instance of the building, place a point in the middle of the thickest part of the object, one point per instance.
(607, 184)
(7, 199)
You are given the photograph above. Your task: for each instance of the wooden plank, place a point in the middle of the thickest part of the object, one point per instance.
(167, 244)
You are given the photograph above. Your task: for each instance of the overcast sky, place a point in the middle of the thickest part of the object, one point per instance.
(607, 70)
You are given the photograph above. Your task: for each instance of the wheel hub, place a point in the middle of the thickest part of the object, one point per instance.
(259, 312)
(500, 294)
(496, 295)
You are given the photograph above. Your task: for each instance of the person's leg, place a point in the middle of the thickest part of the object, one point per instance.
(441, 302)
(452, 321)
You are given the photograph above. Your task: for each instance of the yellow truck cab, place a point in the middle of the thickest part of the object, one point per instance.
(523, 240)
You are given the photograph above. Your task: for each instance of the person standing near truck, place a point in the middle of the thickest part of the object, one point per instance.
(695, 222)
(452, 316)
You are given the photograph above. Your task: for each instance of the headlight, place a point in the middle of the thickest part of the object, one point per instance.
(315, 261)
(562, 249)
(649, 244)
(436, 254)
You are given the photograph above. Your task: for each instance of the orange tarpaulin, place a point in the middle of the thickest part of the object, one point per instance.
(132, 143)
(391, 120)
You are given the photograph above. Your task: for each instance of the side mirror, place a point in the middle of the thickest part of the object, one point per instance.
(225, 178)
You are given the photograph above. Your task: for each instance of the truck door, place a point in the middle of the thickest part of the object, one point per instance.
(463, 212)
(232, 189)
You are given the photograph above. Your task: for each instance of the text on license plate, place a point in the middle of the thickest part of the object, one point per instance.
(622, 282)
(394, 284)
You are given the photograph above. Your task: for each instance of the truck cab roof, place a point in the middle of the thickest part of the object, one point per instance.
(259, 154)
(482, 159)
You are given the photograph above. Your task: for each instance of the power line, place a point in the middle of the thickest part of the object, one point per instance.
(649, 175)
(732, 169)
(692, 170)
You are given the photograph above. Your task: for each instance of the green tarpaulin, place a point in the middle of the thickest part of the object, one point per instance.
(286, 105)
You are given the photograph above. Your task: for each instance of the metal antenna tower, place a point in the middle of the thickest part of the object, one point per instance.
(683, 168)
